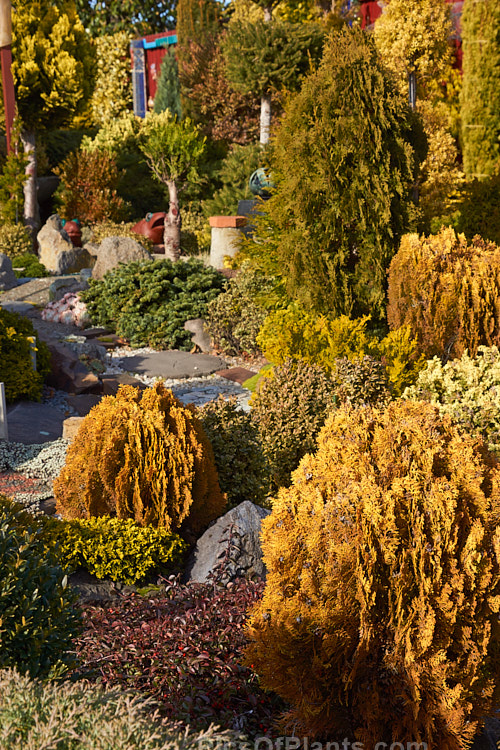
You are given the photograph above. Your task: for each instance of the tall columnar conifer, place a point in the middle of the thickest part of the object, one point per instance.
(168, 94)
(344, 162)
(480, 102)
(197, 28)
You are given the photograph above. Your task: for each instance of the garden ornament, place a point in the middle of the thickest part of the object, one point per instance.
(261, 183)
(72, 229)
(152, 227)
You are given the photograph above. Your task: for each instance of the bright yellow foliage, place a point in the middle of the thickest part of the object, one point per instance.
(320, 340)
(52, 62)
(379, 620)
(141, 456)
(447, 291)
(413, 36)
(112, 95)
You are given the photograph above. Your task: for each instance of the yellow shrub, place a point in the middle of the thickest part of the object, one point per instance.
(379, 619)
(293, 332)
(141, 456)
(114, 548)
(447, 291)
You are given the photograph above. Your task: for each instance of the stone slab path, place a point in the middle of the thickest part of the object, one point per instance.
(30, 423)
(173, 364)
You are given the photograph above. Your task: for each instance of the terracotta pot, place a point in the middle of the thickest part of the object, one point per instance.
(152, 227)
(74, 233)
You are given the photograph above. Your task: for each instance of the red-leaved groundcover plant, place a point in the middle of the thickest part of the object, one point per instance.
(185, 649)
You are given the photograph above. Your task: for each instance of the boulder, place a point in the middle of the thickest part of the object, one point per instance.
(61, 286)
(56, 251)
(230, 548)
(115, 250)
(200, 337)
(71, 425)
(8, 279)
(68, 373)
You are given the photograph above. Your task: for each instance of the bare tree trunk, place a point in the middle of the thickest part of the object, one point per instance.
(265, 119)
(172, 231)
(265, 100)
(31, 210)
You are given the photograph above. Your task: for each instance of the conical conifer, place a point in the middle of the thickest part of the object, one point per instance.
(344, 161)
(168, 93)
(480, 102)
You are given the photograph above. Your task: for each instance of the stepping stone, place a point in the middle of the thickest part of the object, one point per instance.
(71, 425)
(173, 364)
(21, 308)
(29, 423)
(111, 383)
(93, 333)
(84, 402)
(236, 374)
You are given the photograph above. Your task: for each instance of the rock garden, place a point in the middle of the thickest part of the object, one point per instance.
(249, 393)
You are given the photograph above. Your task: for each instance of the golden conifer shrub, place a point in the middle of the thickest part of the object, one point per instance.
(447, 291)
(141, 456)
(379, 620)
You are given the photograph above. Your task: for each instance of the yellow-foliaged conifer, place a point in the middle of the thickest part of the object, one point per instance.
(141, 456)
(379, 620)
(447, 291)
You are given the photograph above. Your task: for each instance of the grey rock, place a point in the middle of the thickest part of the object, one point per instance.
(8, 278)
(86, 350)
(56, 251)
(68, 373)
(62, 286)
(230, 548)
(22, 308)
(85, 275)
(200, 337)
(92, 248)
(115, 250)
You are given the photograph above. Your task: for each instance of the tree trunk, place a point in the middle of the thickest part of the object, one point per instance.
(265, 101)
(31, 211)
(265, 119)
(172, 231)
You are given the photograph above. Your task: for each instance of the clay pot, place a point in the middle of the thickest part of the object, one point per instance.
(152, 227)
(74, 233)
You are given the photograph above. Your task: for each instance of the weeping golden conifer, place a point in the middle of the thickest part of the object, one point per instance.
(141, 456)
(448, 291)
(379, 620)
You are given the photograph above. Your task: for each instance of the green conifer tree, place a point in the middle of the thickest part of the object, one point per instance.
(264, 57)
(344, 164)
(480, 101)
(168, 93)
(198, 23)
